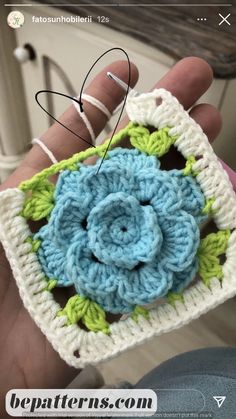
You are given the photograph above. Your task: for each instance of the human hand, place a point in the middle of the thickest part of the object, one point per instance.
(27, 358)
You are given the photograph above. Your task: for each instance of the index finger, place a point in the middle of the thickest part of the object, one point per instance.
(62, 143)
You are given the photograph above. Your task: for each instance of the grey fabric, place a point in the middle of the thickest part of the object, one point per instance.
(188, 382)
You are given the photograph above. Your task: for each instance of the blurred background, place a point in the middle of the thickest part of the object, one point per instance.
(57, 56)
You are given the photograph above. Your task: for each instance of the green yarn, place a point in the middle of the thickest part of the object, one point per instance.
(40, 203)
(139, 311)
(156, 144)
(90, 313)
(139, 137)
(188, 170)
(34, 243)
(211, 247)
(207, 210)
(74, 309)
(51, 283)
(172, 297)
(94, 319)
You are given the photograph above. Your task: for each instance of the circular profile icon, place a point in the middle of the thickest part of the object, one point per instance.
(15, 19)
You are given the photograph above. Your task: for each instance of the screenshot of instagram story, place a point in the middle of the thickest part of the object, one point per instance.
(118, 208)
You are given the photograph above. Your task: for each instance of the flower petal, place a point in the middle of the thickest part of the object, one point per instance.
(93, 279)
(94, 186)
(193, 200)
(182, 279)
(87, 272)
(113, 303)
(122, 232)
(52, 259)
(132, 159)
(146, 284)
(67, 218)
(181, 239)
(67, 181)
(159, 190)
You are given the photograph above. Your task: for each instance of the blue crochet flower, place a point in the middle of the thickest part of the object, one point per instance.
(125, 235)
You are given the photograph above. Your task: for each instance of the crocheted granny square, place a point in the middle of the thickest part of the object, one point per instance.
(125, 239)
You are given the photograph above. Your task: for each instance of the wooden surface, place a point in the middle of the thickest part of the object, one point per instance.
(173, 30)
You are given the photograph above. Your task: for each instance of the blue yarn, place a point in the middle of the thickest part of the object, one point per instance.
(52, 259)
(193, 198)
(132, 236)
(126, 235)
(184, 278)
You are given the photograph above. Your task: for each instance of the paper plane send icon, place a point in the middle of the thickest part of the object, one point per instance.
(219, 400)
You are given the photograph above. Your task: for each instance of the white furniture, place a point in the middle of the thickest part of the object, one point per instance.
(64, 53)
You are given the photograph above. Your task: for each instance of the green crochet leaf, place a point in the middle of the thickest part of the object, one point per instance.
(139, 311)
(41, 201)
(156, 144)
(95, 318)
(90, 313)
(211, 247)
(74, 309)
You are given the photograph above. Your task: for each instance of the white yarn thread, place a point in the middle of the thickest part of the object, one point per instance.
(93, 101)
(85, 120)
(45, 149)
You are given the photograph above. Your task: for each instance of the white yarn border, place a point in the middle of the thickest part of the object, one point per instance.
(198, 299)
